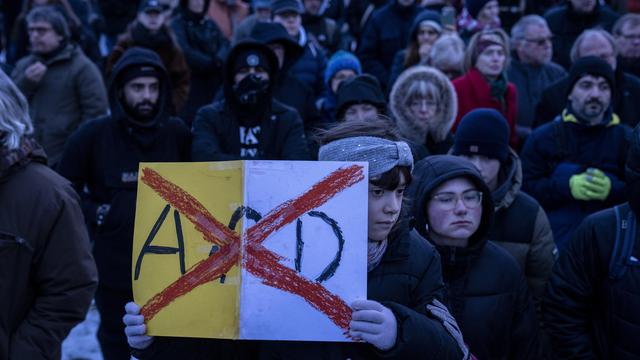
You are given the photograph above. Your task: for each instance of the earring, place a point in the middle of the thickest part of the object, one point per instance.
(426, 227)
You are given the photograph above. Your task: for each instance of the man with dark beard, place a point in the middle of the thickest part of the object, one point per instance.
(574, 165)
(249, 123)
(150, 30)
(101, 160)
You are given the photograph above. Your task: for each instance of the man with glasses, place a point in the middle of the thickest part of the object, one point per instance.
(531, 68)
(598, 43)
(574, 165)
(63, 87)
(520, 225)
(626, 31)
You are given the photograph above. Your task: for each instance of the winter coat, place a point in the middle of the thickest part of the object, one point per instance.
(566, 25)
(227, 14)
(309, 68)
(531, 80)
(172, 57)
(625, 95)
(587, 314)
(323, 31)
(383, 36)
(521, 227)
(484, 286)
(407, 279)
(204, 47)
(70, 93)
(47, 273)
(565, 147)
(438, 129)
(473, 92)
(104, 155)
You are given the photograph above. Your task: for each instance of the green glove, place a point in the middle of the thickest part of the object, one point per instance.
(598, 186)
(578, 184)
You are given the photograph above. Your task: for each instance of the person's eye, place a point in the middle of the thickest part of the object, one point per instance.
(400, 191)
(377, 192)
(471, 197)
(446, 199)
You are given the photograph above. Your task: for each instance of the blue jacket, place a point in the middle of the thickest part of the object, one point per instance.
(309, 68)
(565, 147)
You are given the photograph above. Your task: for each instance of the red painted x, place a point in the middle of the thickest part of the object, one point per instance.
(258, 260)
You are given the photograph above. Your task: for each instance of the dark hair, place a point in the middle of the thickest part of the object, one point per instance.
(50, 15)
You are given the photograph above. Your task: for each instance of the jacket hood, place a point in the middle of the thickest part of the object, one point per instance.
(442, 121)
(431, 172)
(232, 58)
(137, 56)
(424, 15)
(269, 33)
(510, 182)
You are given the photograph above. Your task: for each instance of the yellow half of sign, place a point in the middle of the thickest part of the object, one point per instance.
(210, 310)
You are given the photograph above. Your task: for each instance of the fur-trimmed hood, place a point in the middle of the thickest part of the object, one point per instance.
(443, 120)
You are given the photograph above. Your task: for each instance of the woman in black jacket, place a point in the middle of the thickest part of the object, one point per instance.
(484, 286)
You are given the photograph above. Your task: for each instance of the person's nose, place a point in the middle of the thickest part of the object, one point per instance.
(460, 208)
(393, 203)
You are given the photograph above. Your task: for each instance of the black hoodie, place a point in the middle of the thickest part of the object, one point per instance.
(485, 288)
(103, 156)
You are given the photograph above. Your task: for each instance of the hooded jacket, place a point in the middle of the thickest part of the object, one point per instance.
(565, 147)
(484, 287)
(588, 315)
(47, 273)
(71, 92)
(521, 227)
(104, 155)
(216, 127)
(435, 136)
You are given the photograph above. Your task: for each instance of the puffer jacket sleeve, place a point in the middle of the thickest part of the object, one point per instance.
(568, 302)
(65, 278)
(419, 334)
(542, 255)
(205, 144)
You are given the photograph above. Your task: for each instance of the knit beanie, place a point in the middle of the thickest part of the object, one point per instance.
(341, 60)
(252, 57)
(594, 66)
(360, 89)
(475, 6)
(482, 132)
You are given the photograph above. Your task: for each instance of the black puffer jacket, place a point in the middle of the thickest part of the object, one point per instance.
(216, 128)
(104, 154)
(485, 289)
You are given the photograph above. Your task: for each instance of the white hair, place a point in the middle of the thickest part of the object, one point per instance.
(15, 121)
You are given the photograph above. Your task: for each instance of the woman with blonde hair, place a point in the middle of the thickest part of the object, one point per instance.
(485, 84)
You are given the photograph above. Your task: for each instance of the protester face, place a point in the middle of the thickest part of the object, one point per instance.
(427, 35)
(196, 6)
(629, 41)
(141, 96)
(291, 21)
(489, 13)
(454, 212)
(360, 112)
(535, 48)
(384, 209)
(590, 97)
(423, 109)
(152, 20)
(491, 61)
(312, 7)
(339, 77)
(246, 71)
(583, 6)
(488, 168)
(43, 38)
(278, 49)
(598, 46)
(264, 14)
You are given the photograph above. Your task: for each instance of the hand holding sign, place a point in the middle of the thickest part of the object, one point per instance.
(373, 323)
(135, 328)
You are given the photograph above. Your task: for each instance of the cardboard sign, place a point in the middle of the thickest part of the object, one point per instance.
(264, 250)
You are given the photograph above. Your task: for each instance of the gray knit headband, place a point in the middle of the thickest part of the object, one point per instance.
(381, 154)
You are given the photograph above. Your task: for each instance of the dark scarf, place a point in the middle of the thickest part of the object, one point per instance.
(142, 36)
(57, 51)
(498, 87)
(12, 160)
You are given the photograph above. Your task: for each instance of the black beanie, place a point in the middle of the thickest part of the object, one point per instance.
(251, 57)
(591, 65)
(474, 6)
(138, 70)
(359, 89)
(482, 132)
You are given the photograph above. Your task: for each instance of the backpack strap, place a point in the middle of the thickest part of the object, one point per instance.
(625, 240)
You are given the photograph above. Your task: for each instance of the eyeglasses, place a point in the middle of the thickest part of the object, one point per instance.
(540, 41)
(471, 199)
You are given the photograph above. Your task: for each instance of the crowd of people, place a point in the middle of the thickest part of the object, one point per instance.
(501, 136)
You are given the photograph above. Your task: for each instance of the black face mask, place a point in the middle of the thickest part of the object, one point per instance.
(252, 90)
